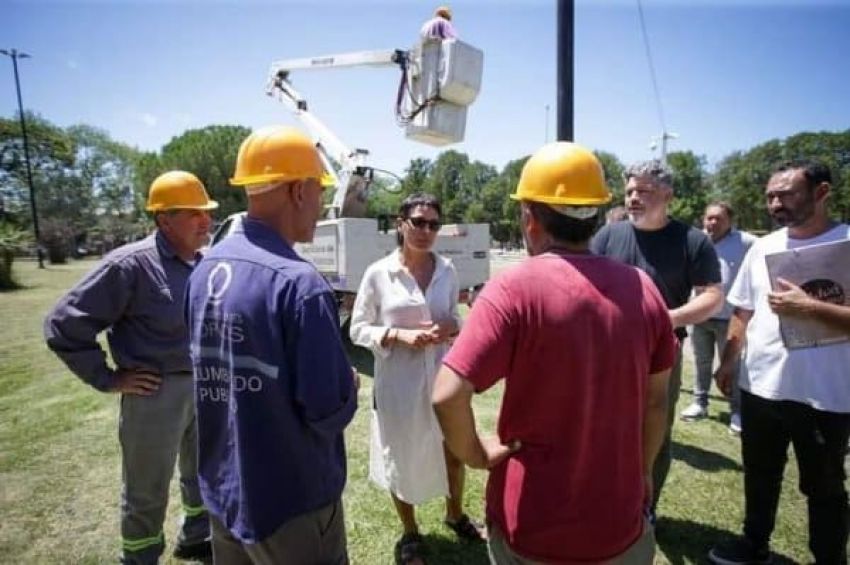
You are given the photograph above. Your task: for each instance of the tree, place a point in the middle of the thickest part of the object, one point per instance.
(105, 170)
(107, 166)
(11, 240)
(51, 153)
(690, 186)
(741, 177)
(613, 169)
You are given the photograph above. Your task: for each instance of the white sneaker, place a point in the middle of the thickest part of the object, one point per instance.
(735, 424)
(694, 412)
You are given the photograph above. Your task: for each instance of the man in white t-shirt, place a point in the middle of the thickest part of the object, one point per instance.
(799, 396)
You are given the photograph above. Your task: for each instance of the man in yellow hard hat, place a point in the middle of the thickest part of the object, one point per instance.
(440, 26)
(587, 344)
(136, 294)
(273, 385)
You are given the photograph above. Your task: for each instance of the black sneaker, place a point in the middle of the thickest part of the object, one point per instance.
(740, 551)
(194, 552)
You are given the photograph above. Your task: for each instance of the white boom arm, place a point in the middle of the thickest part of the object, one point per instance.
(347, 167)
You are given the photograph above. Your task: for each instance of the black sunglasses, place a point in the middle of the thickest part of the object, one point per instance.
(421, 223)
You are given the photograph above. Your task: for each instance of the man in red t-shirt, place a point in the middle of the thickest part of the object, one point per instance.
(585, 346)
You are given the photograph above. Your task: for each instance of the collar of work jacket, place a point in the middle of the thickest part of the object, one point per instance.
(166, 250)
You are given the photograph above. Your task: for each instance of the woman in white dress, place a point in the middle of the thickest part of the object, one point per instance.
(406, 313)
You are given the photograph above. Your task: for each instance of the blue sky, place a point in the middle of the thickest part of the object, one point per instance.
(731, 73)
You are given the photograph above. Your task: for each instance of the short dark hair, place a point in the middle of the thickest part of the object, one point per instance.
(815, 172)
(721, 204)
(157, 214)
(561, 227)
(411, 202)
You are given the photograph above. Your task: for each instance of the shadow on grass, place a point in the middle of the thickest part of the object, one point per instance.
(684, 541)
(443, 549)
(703, 460)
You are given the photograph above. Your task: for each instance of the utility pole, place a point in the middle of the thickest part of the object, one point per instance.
(14, 54)
(566, 40)
(663, 138)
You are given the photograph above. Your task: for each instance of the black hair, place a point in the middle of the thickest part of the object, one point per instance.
(561, 227)
(815, 172)
(411, 202)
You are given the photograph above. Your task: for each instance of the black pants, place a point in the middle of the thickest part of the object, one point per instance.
(820, 441)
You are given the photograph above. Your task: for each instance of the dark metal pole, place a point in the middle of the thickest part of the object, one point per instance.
(14, 56)
(566, 36)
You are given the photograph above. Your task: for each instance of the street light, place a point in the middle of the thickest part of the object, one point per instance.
(14, 54)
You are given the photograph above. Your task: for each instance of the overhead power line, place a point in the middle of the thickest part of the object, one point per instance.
(652, 74)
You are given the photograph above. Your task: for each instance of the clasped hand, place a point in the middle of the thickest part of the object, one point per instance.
(429, 333)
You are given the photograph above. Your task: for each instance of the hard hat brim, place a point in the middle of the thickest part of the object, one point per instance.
(210, 205)
(562, 201)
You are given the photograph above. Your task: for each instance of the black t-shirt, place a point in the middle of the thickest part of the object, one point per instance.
(677, 257)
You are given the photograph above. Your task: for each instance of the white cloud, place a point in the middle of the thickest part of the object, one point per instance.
(148, 119)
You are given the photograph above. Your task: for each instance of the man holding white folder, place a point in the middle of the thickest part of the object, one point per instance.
(800, 395)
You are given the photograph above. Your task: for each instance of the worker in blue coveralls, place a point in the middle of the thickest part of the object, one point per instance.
(274, 388)
(136, 294)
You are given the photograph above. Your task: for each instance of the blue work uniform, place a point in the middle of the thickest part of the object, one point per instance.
(273, 386)
(136, 294)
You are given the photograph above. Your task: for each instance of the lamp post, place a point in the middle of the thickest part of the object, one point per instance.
(14, 54)
(566, 83)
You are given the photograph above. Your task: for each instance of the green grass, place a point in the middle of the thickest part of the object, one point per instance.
(60, 471)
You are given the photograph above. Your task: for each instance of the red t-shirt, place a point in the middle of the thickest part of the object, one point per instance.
(575, 337)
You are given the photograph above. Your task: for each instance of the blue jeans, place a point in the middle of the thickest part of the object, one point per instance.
(708, 337)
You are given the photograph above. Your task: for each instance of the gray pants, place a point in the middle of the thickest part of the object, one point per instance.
(665, 456)
(641, 552)
(153, 430)
(708, 337)
(314, 538)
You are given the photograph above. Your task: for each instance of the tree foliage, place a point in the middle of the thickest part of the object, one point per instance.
(741, 177)
(87, 183)
(691, 186)
(51, 153)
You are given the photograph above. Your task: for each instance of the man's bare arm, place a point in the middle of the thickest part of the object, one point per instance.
(452, 400)
(736, 337)
(708, 302)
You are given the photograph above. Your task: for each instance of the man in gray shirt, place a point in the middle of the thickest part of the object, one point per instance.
(136, 295)
(731, 245)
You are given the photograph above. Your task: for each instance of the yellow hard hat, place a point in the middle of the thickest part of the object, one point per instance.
(178, 190)
(277, 153)
(563, 173)
(443, 12)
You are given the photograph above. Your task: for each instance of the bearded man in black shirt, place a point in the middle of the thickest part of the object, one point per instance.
(679, 258)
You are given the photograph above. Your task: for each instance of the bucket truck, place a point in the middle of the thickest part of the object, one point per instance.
(439, 79)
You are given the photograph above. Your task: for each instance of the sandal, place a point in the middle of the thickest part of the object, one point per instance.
(409, 549)
(466, 529)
